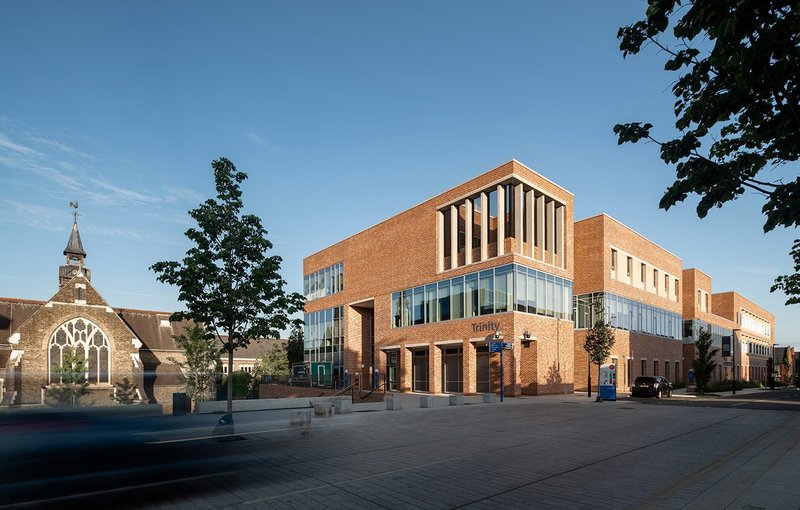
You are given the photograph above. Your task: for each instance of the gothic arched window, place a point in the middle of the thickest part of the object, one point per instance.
(84, 337)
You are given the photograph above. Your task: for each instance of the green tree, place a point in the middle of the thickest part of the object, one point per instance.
(201, 362)
(295, 347)
(737, 105)
(71, 377)
(599, 340)
(227, 280)
(273, 361)
(703, 363)
(124, 393)
(242, 384)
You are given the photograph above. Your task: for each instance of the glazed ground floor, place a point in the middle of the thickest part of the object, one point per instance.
(747, 367)
(456, 357)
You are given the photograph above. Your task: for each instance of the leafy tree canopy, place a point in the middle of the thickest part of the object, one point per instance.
(737, 102)
(70, 382)
(201, 361)
(294, 346)
(600, 337)
(227, 280)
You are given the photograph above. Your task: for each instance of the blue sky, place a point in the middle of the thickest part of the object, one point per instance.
(342, 114)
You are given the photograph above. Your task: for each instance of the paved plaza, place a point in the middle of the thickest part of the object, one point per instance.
(539, 452)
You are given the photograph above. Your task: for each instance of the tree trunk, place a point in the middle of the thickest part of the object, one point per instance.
(230, 381)
(598, 382)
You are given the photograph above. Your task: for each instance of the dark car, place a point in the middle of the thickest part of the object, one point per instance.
(655, 386)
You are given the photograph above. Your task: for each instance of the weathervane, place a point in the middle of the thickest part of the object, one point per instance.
(74, 205)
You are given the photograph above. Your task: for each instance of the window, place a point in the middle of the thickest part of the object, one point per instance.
(706, 302)
(677, 371)
(666, 369)
(655, 367)
(655, 278)
(643, 272)
(82, 337)
(699, 299)
(630, 266)
(666, 284)
(613, 260)
(644, 367)
(676, 287)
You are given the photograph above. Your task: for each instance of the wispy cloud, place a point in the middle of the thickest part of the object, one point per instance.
(256, 138)
(31, 215)
(7, 143)
(66, 149)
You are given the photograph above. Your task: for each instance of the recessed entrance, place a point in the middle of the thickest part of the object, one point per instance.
(452, 370)
(420, 370)
(482, 371)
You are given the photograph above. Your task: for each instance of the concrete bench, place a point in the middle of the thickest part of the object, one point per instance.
(489, 398)
(456, 400)
(426, 401)
(393, 404)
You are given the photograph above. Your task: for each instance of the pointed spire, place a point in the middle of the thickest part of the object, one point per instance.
(74, 245)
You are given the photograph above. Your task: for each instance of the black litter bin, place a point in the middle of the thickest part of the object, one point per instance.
(179, 404)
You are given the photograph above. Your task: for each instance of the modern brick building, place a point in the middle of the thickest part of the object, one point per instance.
(639, 285)
(754, 335)
(412, 301)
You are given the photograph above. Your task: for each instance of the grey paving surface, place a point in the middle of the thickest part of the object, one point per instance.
(539, 452)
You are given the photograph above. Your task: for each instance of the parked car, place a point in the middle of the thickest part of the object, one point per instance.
(655, 386)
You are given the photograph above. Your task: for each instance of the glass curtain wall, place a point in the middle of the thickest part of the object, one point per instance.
(624, 313)
(324, 337)
(324, 282)
(507, 288)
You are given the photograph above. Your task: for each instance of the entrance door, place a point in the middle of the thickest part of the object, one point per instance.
(420, 371)
(483, 374)
(391, 370)
(452, 368)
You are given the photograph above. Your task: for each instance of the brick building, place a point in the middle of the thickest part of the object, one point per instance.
(639, 285)
(698, 315)
(414, 300)
(754, 334)
(118, 343)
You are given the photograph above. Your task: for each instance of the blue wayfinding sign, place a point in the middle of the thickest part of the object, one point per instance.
(495, 346)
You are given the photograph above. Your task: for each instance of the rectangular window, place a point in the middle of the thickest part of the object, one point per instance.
(521, 289)
(699, 299)
(457, 297)
(396, 304)
(676, 287)
(613, 259)
(706, 297)
(655, 279)
(487, 292)
(471, 301)
(666, 284)
(531, 291)
(666, 369)
(444, 301)
(677, 371)
(644, 367)
(431, 304)
(503, 282)
(655, 367)
(405, 309)
(630, 266)
(418, 306)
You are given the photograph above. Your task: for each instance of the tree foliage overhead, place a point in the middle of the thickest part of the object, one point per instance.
(703, 363)
(737, 100)
(227, 280)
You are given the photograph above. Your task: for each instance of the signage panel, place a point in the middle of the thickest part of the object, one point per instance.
(726, 346)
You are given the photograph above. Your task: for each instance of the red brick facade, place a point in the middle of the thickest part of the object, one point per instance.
(407, 251)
